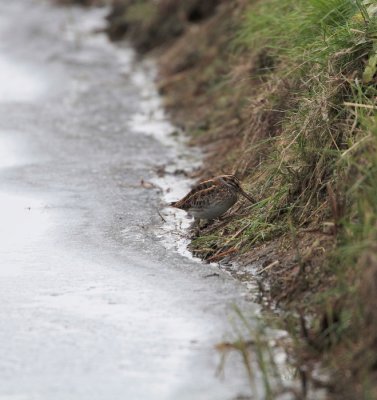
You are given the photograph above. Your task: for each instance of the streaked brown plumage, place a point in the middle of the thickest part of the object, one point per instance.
(212, 198)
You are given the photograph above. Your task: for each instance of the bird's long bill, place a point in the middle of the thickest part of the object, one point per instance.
(247, 196)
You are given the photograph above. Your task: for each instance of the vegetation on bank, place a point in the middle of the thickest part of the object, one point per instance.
(283, 93)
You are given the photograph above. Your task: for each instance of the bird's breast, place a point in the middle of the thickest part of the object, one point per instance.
(214, 207)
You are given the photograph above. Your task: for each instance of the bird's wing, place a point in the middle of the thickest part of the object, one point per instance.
(195, 194)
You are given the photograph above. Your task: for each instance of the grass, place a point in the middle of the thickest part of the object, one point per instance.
(327, 157)
(259, 350)
(317, 168)
(142, 11)
(328, 42)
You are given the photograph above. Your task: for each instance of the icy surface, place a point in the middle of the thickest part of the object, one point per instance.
(93, 305)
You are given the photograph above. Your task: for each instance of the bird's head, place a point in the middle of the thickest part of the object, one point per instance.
(234, 183)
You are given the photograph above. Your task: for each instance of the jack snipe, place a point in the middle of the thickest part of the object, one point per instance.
(211, 199)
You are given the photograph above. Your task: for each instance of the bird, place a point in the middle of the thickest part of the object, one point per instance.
(212, 198)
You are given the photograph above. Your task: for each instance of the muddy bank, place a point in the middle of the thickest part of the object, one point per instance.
(292, 113)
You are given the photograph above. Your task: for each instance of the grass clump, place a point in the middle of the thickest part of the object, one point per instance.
(319, 50)
(326, 154)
